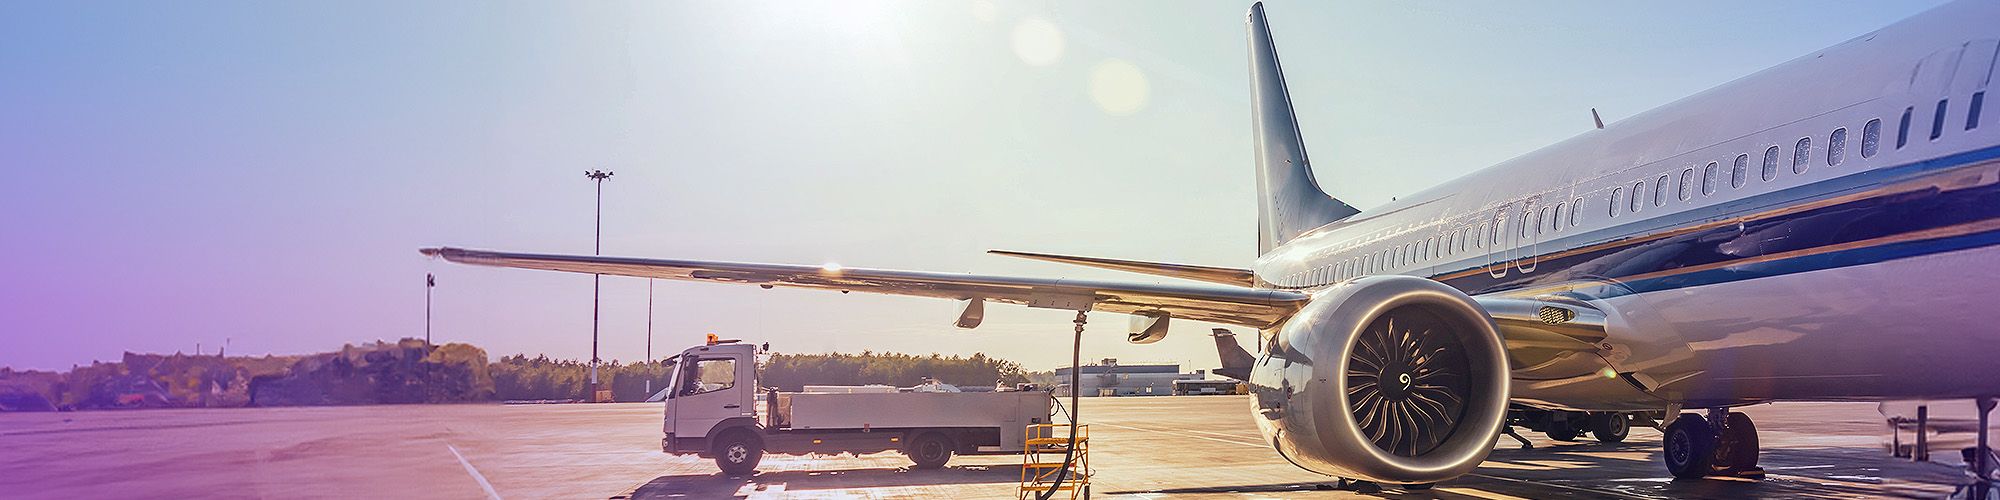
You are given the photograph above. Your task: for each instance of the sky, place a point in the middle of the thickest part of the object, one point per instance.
(261, 173)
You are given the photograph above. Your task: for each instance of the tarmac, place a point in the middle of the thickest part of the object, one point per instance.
(1142, 447)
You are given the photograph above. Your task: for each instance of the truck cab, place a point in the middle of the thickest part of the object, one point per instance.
(713, 389)
(712, 411)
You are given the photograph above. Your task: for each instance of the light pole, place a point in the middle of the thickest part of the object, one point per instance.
(649, 320)
(649, 337)
(430, 282)
(596, 280)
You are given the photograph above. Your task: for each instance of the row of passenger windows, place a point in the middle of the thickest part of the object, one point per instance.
(1682, 185)
(1801, 160)
(1467, 238)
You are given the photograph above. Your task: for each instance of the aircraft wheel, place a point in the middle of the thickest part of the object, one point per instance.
(1561, 431)
(1610, 427)
(1690, 447)
(1737, 449)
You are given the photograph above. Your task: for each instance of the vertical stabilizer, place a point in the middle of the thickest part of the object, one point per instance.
(1289, 201)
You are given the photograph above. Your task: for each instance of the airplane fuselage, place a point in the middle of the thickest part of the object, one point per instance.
(1821, 230)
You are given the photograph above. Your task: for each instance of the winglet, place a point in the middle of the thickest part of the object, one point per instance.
(1290, 201)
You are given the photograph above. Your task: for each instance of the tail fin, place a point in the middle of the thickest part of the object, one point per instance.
(1235, 361)
(1290, 202)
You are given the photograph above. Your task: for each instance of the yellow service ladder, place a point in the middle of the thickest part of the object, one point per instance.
(1042, 460)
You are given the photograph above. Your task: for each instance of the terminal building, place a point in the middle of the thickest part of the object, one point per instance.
(1108, 378)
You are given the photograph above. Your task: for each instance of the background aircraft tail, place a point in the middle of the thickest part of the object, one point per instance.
(1235, 360)
(1290, 201)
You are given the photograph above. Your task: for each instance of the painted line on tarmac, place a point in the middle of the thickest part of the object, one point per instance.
(474, 472)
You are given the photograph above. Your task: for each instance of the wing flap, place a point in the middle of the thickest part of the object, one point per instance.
(1228, 305)
(1220, 275)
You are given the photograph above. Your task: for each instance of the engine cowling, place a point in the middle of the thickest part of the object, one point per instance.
(1393, 379)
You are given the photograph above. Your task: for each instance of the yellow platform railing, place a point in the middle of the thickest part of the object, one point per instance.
(1042, 460)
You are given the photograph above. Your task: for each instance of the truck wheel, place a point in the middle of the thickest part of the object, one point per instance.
(737, 453)
(929, 450)
(1610, 427)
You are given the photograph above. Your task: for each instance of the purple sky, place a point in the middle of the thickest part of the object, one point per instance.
(173, 174)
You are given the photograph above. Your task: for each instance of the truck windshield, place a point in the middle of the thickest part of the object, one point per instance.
(707, 375)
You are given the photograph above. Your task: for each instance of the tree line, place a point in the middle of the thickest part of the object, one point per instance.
(409, 371)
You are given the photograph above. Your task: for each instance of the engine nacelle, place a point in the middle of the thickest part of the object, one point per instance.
(1394, 379)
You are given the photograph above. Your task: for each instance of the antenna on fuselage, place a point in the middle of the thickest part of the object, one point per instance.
(1595, 118)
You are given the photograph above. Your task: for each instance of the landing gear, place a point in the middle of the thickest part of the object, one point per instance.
(1696, 447)
(1736, 451)
(1610, 427)
(1561, 431)
(1690, 447)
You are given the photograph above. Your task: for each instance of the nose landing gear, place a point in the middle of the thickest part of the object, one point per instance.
(1724, 443)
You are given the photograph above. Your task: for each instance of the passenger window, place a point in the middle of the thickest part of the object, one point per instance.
(1801, 152)
(1871, 138)
(1541, 220)
(1835, 146)
(1972, 113)
(1739, 173)
(1575, 206)
(1614, 199)
(1903, 130)
(1479, 237)
(1708, 179)
(1557, 220)
(1638, 195)
(1687, 184)
(1660, 191)
(708, 375)
(1937, 120)
(1771, 163)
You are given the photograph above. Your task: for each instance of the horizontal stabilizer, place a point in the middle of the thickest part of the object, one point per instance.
(1221, 275)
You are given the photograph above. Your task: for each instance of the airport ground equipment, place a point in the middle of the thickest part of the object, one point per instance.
(1051, 452)
(1566, 425)
(1980, 461)
(713, 412)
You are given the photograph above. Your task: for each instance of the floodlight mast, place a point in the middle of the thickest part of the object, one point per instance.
(596, 280)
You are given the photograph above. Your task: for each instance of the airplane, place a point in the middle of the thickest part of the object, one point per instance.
(1822, 230)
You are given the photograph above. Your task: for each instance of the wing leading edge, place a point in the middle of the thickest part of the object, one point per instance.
(1219, 304)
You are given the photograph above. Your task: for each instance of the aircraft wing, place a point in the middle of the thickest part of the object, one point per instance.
(1219, 304)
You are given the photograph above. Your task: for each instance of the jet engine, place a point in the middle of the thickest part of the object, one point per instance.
(1394, 379)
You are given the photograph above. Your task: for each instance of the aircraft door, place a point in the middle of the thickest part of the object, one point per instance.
(1497, 243)
(1526, 250)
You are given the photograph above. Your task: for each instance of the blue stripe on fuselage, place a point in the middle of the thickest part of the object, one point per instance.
(1876, 217)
